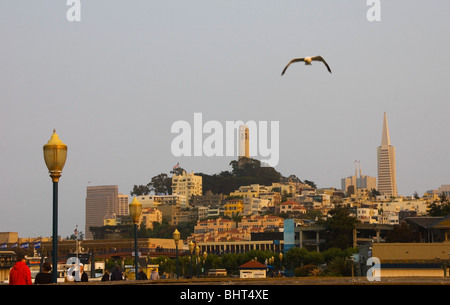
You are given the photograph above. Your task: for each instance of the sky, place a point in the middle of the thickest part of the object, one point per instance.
(114, 83)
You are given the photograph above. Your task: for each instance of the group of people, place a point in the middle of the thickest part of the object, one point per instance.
(80, 277)
(20, 274)
(117, 275)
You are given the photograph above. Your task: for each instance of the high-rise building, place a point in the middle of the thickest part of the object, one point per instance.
(123, 205)
(361, 182)
(387, 184)
(101, 202)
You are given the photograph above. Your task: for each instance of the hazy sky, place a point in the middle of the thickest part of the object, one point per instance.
(113, 84)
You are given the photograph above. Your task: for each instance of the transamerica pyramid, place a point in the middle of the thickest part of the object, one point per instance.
(387, 183)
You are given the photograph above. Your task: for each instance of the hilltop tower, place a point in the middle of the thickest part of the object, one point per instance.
(244, 147)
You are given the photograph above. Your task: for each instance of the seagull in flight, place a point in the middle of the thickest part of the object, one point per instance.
(307, 61)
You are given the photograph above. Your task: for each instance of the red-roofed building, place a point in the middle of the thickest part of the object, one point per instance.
(252, 269)
(291, 207)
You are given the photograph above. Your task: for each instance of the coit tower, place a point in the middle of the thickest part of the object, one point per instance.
(244, 147)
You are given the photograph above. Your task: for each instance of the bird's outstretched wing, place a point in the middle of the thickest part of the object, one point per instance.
(320, 58)
(292, 61)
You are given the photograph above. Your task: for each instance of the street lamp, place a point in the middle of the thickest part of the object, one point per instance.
(55, 154)
(191, 249)
(205, 255)
(281, 261)
(197, 252)
(135, 208)
(176, 238)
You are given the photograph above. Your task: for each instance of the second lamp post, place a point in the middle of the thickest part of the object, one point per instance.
(135, 208)
(176, 238)
(55, 153)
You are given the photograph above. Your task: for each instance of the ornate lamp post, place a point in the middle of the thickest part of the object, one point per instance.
(281, 261)
(197, 252)
(205, 255)
(55, 154)
(135, 208)
(176, 238)
(191, 249)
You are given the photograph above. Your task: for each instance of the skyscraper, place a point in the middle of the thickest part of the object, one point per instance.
(361, 182)
(101, 202)
(387, 183)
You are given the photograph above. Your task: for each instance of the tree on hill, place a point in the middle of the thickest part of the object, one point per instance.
(242, 173)
(339, 228)
(139, 190)
(441, 207)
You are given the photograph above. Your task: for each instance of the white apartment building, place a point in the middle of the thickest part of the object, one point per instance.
(187, 184)
(250, 191)
(367, 215)
(202, 212)
(399, 204)
(150, 201)
(388, 218)
(255, 205)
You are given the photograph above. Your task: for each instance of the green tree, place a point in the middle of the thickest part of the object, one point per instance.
(161, 184)
(374, 193)
(441, 207)
(339, 266)
(311, 184)
(402, 233)
(332, 253)
(177, 171)
(139, 190)
(339, 228)
(295, 257)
